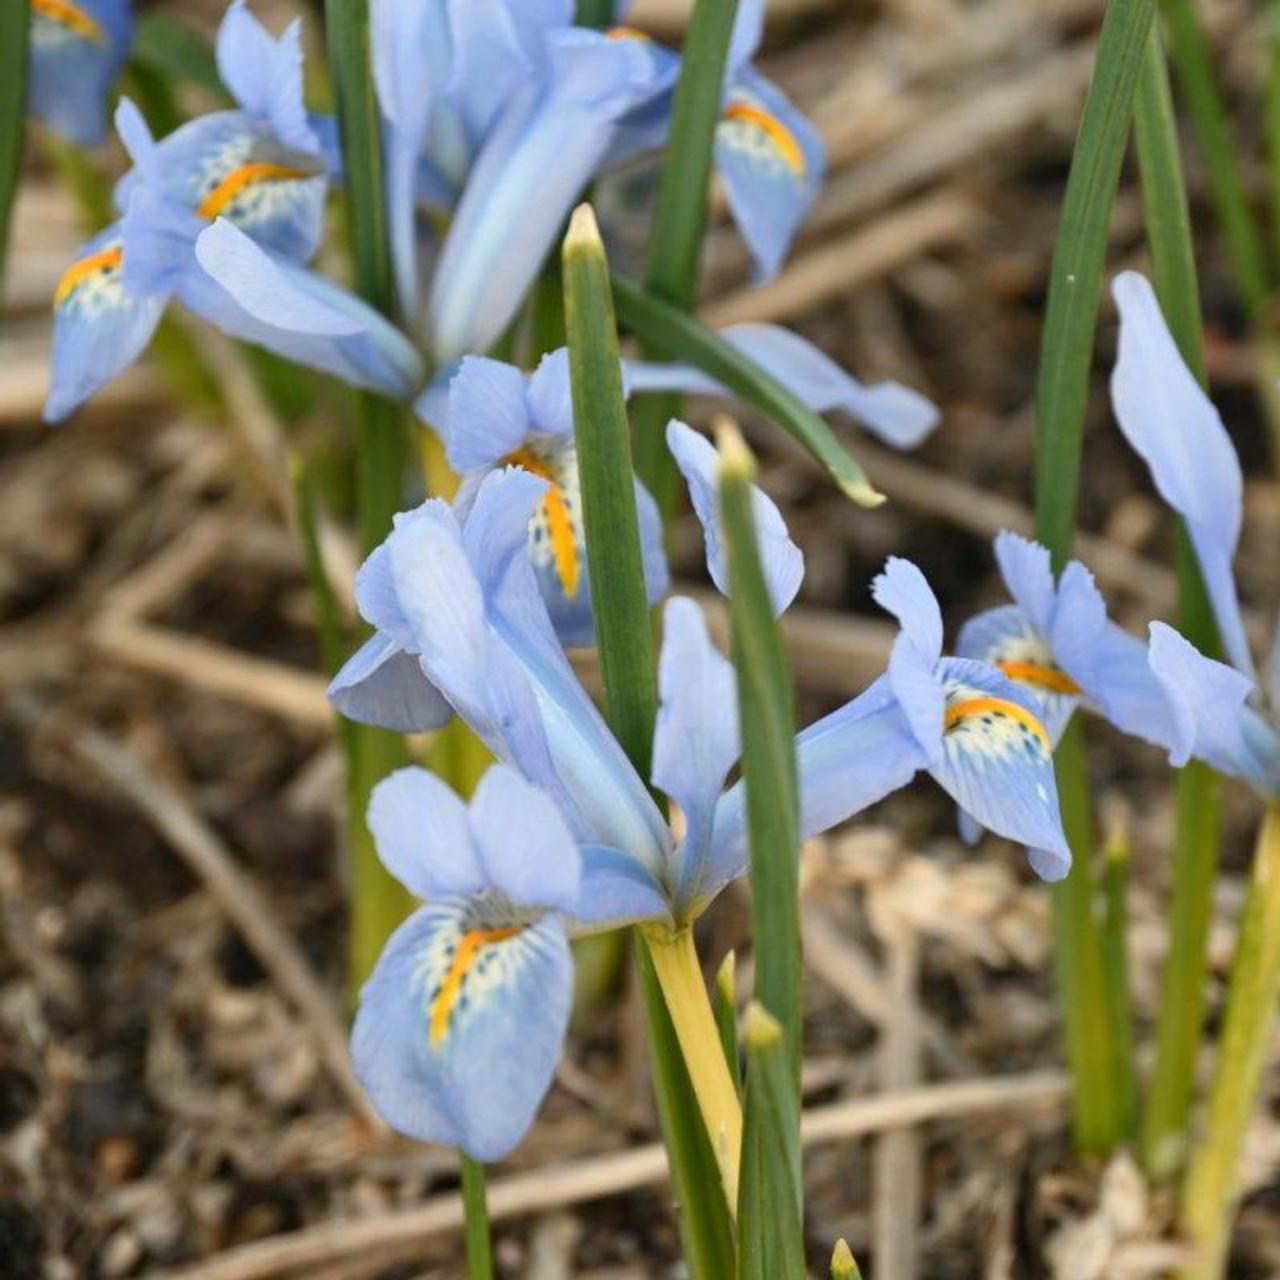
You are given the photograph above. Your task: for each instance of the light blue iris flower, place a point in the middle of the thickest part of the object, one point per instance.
(384, 683)
(444, 71)
(491, 414)
(1055, 640)
(78, 48)
(459, 603)
(1223, 714)
(461, 1024)
(1056, 643)
(768, 154)
(111, 298)
(979, 735)
(495, 415)
(260, 167)
(542, 149)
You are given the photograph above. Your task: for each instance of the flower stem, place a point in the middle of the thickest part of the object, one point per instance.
(1211, 1188)
(675, 961)
(1115, 958)
(476, 1211)
(378, 903)
(1081, 968)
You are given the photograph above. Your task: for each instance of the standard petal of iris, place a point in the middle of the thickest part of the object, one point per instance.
(381, 684)
(1005, 639)
(781, 559)
(526, 847)
(100, 325)
(420, 827)
(1026, 570)
(997, 761)
(1167, 418)
(265, 74)
(903, 591)
(772, 161)
(696, 739)
(487, 414)
(462, 1024)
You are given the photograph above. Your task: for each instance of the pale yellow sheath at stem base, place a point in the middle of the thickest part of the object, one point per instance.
(675, 960)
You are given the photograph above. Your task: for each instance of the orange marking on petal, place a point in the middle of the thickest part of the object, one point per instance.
(774, 129)
(470, 945)
(972, 708)
(564, 545)
(1051, 678)
(78, 272)
(241, 178)
(72, 17)
(628, 33)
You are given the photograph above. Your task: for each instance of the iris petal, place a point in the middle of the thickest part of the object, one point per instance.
(772, 162)
(77, 49)
(462, 1023)
(100, 327)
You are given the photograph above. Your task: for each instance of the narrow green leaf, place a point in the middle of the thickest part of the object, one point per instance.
(680, 215)
(1079, 256)
(680, 219)
(1219, 151)
(726, 1011)
(1091, 1052)
(843, 1264)
(625, 644)
(1115, 959)
(1062, 390)
(360, 128)
(15, 25)
(618, 595)
(476, 1213)
(706, 1232)
(767, 714)
(1198, 840)
(177, 53)
(1165, 212)
(675, 335)
(771, 1197)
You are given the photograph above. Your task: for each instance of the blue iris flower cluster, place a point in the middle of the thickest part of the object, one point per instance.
(496, 115)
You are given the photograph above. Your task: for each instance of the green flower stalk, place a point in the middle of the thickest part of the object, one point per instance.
(1213, 1177)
